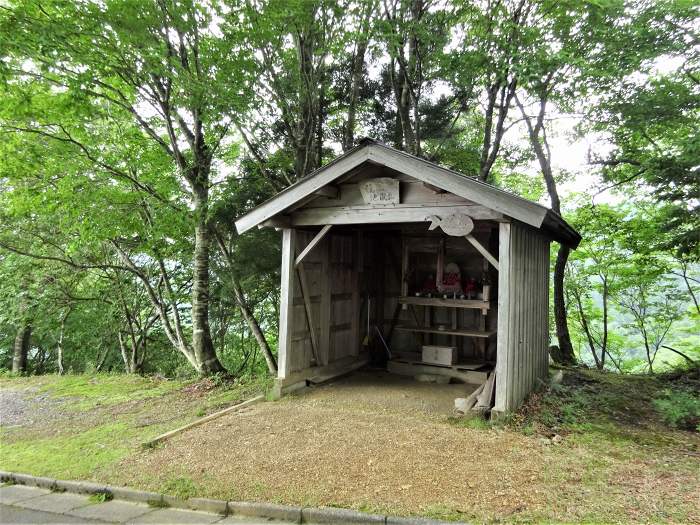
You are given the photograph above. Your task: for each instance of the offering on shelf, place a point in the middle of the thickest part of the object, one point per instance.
(451, 279)
(470, 288)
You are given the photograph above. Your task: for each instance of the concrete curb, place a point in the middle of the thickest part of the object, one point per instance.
(225, 508)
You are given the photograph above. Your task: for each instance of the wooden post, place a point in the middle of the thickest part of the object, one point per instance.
(286, 321)
(503, 359)
(440, 267)
(325, 312)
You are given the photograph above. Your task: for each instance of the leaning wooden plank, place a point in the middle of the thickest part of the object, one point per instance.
(484, 400)
(483, 251)
(203, 420)
(469, 402)
(304, 288)
(312, 243)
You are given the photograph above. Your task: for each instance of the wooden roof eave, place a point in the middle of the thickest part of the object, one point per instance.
(303, 188)
(272, 211)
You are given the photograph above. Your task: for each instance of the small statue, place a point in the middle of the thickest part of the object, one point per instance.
(429, 286)
(451, 279)
(470, 287)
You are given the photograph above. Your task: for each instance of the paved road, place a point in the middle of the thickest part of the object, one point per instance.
(21, 504)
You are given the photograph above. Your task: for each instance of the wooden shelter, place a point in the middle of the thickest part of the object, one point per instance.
(383, 250)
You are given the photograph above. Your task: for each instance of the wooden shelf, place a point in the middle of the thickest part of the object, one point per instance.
(446, 331)
(477, 304)
(415, 358)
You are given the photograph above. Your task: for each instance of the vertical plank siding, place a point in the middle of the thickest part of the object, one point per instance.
(523, 299)
(331, 273)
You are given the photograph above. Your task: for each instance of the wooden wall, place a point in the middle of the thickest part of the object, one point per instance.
(332, 295)
(523, 306)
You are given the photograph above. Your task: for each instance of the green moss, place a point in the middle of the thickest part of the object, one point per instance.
(181, 487)
(474, 422)
(106, 389)
(69, 457)
(108, 425)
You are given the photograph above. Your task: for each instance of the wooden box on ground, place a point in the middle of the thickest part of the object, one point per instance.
(439, 355)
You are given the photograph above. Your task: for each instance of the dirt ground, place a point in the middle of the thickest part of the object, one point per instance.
(370, 440)
(592, 450)
(378, 442)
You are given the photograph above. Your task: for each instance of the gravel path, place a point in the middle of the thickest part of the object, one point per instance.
(26, 407)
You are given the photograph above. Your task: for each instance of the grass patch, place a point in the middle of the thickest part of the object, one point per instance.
(181, 487)
(100, 497)
(103, 419)
(107, 389)
(69, 457)
(475, 422)
(607, 403)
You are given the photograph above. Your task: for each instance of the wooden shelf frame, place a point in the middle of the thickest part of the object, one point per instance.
(484, 334)
(476, 304)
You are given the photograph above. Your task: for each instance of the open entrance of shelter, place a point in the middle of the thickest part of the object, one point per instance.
(394, 261)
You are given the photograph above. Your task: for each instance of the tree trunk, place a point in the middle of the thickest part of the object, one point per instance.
(587, 331)
(538, 141)
(252, 323)
(101, 359)
(127, 357)
(59, 349)
(248, 315)
(566, 353)
(21, 350)
(358, 63)
(403, 102)
(604, 344)
(207, 361)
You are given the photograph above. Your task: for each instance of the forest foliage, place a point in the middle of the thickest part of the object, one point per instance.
(133, 133)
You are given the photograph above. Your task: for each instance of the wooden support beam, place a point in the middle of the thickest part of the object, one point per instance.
(304, 288)
(483, 251)
(385, 214)
(286, 303)
(331, 192)
(433, 189)
(280, 221)
(312, 243)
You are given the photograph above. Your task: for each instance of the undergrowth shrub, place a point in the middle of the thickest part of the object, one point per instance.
(679, 408)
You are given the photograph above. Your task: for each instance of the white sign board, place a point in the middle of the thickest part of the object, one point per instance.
(382, 190)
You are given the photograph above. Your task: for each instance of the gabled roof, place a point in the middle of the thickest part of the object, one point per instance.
(368, 150)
